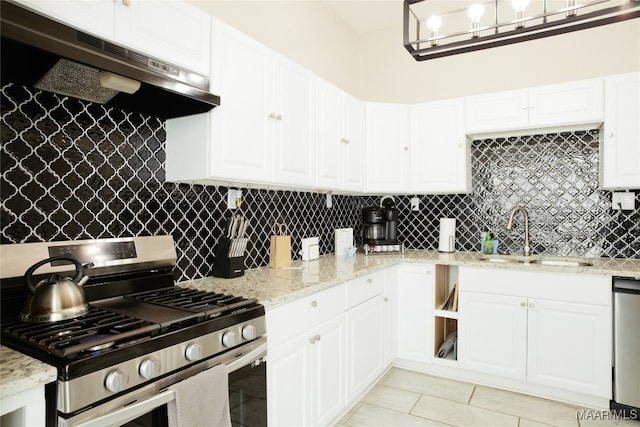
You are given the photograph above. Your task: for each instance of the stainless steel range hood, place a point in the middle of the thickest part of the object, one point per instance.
(42, 53)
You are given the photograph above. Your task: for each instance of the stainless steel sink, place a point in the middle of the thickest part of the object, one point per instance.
(559, 263)
(550, 262)
(502, 260)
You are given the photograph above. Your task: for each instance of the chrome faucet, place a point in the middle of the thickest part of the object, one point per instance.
(527, 249)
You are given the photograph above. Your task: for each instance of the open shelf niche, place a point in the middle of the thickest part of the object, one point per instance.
(446, 314)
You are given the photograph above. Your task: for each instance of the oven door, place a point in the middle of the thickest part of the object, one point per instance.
(147, 406)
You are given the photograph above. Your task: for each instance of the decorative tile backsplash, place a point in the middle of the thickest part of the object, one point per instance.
(75, 170)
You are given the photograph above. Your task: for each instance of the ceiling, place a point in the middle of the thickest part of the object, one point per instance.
(368, 15)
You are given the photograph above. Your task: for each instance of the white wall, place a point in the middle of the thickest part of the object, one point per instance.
(376, 66)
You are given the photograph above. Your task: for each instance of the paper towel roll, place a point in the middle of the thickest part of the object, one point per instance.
(447, 235)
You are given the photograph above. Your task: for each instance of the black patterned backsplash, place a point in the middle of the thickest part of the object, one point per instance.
(76, 170)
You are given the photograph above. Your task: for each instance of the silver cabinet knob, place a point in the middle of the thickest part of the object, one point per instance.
(369, 280)
(229, 339)
(193, 352)
(523, 304)
(149, 368)
(314, 339)
(116, 380)
(314, 303)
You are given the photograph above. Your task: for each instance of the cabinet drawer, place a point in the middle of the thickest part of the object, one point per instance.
(363, 288)
(288, 320)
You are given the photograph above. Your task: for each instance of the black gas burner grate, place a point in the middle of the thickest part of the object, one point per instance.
(211, 303)
(97, 330)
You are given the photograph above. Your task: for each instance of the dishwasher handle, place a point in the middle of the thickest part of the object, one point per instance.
(627, 286)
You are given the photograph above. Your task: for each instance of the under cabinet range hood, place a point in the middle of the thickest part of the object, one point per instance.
(44, 54)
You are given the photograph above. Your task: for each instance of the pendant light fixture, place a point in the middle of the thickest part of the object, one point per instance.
(436, 28)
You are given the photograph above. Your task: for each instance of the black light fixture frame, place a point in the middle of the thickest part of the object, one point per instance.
(623, 12)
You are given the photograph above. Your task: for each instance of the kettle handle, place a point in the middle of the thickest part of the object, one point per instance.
(28, 275)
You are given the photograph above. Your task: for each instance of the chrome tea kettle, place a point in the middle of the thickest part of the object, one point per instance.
(55, 298)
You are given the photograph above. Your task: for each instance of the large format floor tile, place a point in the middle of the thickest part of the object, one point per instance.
(406, 399)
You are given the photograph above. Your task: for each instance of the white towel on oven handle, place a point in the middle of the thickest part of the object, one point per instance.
(201, 400)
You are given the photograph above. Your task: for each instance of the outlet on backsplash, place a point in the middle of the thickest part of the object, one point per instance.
(625, 201)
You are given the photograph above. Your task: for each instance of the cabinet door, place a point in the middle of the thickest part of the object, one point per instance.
(93, 16)
(294, 139)
(440, 160)
(620, 147)
(496, 111)
(415, 300)
(290, 383)
(330, 135)
(566, 103)
(328, 373)
(569, 346)
(354, 144)
(492, 334)
(243, 77)
(365, 346)
(387, 148)
(174, 31)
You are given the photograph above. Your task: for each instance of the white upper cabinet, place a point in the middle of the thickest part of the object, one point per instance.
(174, 31)
(228, 143)
(621, 134)
(340, 139)
(262, 133)
(440, 159)
(93, 16)
(388, 156)
(292, 114)
(573, 103)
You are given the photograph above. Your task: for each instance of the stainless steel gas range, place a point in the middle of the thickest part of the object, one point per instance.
(141, 335)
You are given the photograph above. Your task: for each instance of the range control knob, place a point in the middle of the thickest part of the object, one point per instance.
(193, 352)
(249, 332)
(116, 380)
(149, 368)
(229, 339)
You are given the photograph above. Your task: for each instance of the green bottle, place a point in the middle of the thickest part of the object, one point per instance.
(487, 247)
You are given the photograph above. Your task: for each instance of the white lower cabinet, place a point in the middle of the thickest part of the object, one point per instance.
(415, 296)
(365, 337)
(306, 360)
(568, 346)
(550, 329)
(305, 377)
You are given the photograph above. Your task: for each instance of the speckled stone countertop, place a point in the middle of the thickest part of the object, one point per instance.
(276, 286)
(20, 373)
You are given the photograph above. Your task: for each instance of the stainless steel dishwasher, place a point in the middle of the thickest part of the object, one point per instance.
(626, 345)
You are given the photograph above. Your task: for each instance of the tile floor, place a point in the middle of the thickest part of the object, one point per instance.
(409, 399)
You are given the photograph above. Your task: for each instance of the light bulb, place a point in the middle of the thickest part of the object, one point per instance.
(433, 23)
(520, 5)
(475, 12)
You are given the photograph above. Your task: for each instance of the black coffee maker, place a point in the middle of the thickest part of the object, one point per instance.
(380, 224)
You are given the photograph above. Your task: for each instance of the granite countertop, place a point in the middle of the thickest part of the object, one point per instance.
(20, 373)
(276, 286)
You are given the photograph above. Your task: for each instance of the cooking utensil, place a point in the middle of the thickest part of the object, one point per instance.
(55, 298)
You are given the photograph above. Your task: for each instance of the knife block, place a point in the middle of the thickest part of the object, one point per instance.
(223, 265)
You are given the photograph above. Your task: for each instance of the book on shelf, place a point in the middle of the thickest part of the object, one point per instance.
(451, 303)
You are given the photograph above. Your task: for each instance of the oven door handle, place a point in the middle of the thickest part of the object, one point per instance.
(133, 411)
